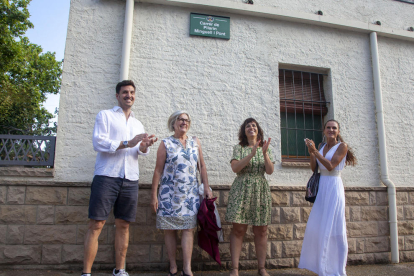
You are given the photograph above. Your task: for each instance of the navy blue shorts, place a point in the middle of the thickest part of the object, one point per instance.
(119, 193)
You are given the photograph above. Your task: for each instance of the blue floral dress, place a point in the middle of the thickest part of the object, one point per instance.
(178, 199)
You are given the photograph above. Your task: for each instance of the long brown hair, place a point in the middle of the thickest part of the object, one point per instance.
(242, 133)
(350, 156)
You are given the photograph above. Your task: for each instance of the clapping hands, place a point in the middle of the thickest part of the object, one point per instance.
(311, 145)
(138, 138)
(254, 149)
(147, 141)
(266, 146)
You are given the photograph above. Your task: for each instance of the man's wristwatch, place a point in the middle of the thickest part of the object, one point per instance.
(125, 143)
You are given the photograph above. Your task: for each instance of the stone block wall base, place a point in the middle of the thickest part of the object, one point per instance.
(76, 267)
(26, 172)
(42, 226)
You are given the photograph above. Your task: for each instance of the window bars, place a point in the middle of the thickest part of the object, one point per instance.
(302, 107)
(25, 150)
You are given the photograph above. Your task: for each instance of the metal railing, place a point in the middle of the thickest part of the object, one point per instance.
(25, 150)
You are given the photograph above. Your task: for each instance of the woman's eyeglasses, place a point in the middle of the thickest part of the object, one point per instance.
(184, 120)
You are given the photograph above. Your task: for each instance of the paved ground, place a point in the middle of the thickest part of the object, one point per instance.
(404, 269)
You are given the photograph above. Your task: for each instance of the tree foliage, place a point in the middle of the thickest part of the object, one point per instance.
(26, 74)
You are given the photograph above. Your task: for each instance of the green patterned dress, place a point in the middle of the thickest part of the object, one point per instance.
(250, 201)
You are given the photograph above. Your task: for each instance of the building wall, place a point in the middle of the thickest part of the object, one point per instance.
(43, 217)
(42, 226)
(397, 59)
(391, 13)
(222, 82)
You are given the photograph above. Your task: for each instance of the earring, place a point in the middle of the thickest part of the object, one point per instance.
(324, 139)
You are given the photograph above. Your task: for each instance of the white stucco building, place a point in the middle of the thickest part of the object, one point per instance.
(221, 82)
(352, 61)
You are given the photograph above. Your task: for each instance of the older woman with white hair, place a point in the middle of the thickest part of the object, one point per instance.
(178, 200)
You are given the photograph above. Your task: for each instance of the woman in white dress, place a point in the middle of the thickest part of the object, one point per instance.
(325, 246)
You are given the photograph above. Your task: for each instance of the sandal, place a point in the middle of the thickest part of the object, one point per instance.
(235, 269)
(172, 274)
(183, 273)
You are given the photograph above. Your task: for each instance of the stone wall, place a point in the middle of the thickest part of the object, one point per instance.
(43, 226)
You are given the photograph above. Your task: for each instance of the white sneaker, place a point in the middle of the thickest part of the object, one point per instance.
(121, 272)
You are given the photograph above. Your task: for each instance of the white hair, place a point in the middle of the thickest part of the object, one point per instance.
(173, 118)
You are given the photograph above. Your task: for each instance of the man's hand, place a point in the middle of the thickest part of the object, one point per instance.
(138, 138)
(147, 142)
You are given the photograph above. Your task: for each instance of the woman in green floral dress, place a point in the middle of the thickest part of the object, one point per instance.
(250, 200)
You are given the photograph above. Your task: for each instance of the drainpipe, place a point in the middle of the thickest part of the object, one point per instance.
(392, 200)
(126, 44)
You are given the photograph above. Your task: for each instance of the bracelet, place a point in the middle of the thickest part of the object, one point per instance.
(313, 152)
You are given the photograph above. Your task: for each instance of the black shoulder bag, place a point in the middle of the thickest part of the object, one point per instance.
(313, 185)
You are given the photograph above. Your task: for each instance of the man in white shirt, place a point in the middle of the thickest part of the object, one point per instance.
(118, 138)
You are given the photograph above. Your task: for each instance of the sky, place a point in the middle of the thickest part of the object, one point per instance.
(50, 20)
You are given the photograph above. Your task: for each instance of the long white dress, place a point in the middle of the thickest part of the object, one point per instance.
(325, 247)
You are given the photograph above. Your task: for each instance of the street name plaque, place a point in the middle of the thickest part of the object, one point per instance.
(209, 25)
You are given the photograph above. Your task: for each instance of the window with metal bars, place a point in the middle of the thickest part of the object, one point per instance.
(302, 108)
